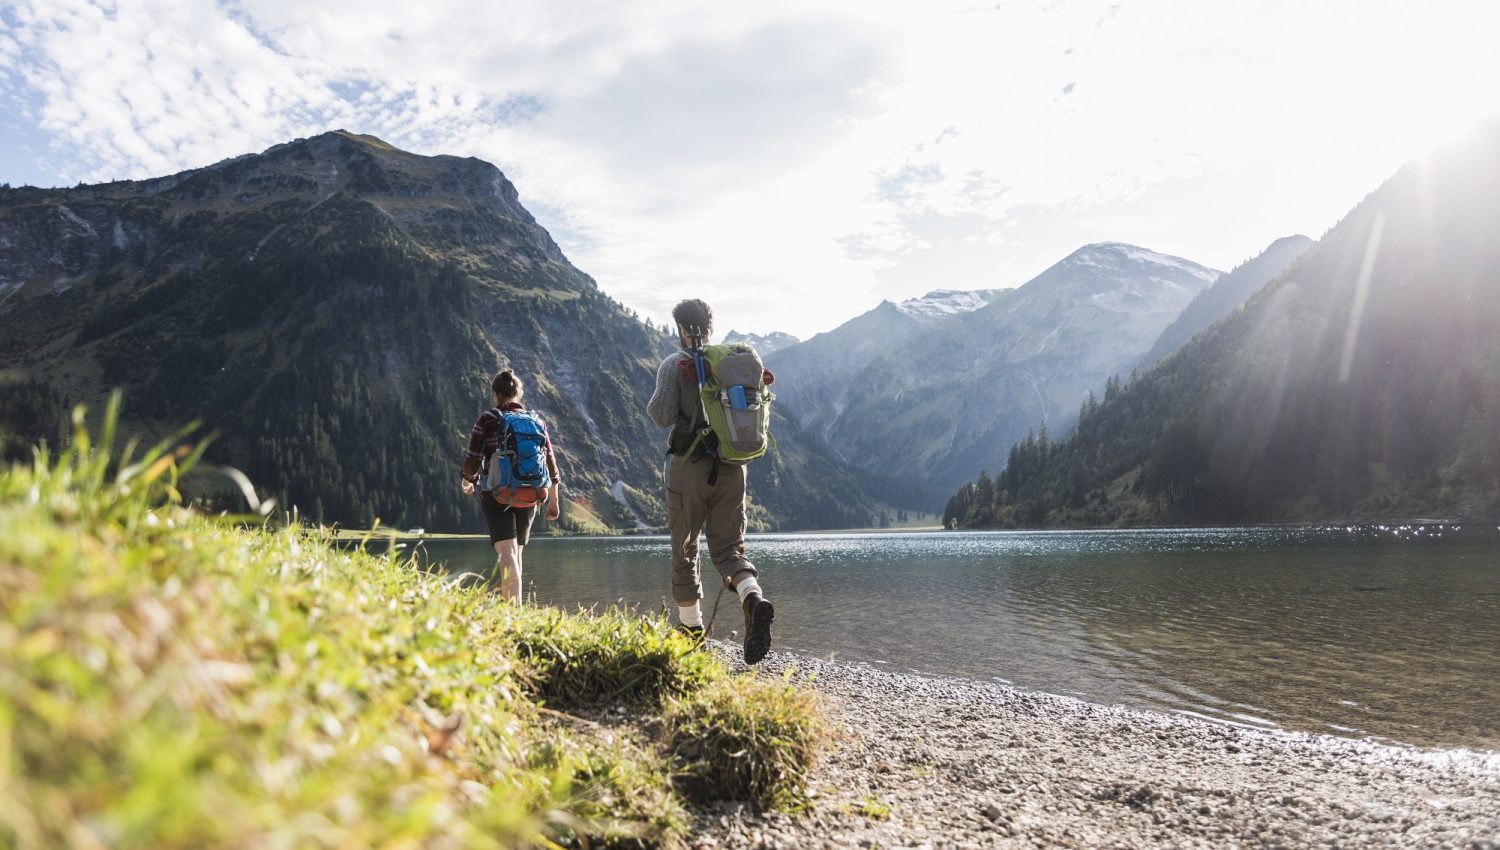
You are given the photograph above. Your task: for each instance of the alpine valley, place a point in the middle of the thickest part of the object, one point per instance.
(1363, 382)
(334, 308)
(923, 394)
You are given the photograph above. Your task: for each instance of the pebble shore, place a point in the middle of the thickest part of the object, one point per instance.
(946, 763)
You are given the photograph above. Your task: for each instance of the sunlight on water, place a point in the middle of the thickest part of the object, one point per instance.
(1389, 632)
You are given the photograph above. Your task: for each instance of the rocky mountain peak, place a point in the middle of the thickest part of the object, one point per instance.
(946, 302)
(764, 343)
(955, 377)
(1113, 276)
(457, 200)
(1295, 243)
(460, 207)
(1114, 256)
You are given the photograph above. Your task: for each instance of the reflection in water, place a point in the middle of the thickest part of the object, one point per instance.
(1350, 631)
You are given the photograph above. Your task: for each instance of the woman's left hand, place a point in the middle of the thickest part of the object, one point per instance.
(468, 488)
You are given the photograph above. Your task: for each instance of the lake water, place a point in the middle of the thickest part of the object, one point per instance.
(1389, 633)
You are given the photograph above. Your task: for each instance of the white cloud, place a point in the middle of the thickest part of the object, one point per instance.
(152, 87)
(10, 51)
(798, 163)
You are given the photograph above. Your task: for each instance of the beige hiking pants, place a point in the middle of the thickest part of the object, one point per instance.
(691, 502)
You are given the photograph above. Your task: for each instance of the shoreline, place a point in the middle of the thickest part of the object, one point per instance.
(345, 535)
(939, 762)
(1394, 527)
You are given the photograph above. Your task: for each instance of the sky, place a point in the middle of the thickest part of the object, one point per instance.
(794, 163)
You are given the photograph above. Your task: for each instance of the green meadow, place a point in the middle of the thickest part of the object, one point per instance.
(171, 679)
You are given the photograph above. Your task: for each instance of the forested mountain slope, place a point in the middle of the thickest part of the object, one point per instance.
(1362, 383)
(335, 307)
(1227, 294)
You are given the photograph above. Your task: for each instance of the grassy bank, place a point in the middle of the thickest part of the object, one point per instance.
(171, 680)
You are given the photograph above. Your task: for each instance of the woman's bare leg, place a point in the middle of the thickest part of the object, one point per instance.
(510, 569)
(520, 551)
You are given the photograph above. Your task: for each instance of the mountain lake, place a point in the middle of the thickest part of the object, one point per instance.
(1385, 632)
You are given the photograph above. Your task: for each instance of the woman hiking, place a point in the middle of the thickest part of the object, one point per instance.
(510, 463)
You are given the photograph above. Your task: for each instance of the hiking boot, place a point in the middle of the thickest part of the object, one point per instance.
(758, 615)
(692, 633)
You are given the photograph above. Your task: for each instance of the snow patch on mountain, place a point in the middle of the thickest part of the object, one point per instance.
(1113, 254)
(944, 302)
(763, 343)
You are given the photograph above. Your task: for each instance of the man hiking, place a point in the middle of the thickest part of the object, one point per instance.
(704, 484)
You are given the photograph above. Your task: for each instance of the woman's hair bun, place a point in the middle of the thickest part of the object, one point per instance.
(506, 385)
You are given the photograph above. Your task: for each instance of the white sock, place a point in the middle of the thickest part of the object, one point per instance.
(747, 586)
(690, 615)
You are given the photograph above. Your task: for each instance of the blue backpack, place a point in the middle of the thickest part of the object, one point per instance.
(520, 461)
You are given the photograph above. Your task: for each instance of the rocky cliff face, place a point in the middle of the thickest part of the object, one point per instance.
(463, 205)
(928, 397)
(335, 307)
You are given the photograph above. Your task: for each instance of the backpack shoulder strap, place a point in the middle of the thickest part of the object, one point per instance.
(502, 427)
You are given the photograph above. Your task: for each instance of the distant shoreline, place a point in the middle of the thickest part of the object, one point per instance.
(1307, 523)
(354, 535)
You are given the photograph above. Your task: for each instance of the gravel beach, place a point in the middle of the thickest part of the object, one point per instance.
(948, 763)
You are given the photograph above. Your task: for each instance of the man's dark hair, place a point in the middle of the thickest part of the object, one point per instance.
(694, 314)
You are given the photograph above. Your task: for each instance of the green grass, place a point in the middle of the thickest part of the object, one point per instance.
(174, 680)
(613, 658)
(746, 738)
(579, 518)
(872, 808)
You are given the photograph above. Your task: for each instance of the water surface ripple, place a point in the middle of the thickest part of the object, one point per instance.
(1390, 633)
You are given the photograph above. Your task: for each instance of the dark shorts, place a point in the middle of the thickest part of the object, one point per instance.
(506, 523)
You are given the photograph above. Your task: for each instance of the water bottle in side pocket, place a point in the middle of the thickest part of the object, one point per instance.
(737, 397)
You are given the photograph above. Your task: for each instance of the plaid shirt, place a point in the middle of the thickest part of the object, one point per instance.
(484, 439)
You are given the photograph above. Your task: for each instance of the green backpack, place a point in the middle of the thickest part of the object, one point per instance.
(735, 402)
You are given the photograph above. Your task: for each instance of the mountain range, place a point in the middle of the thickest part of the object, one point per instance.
(334, 308)
(763, 343)
(1362, 382)
(924, 393)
